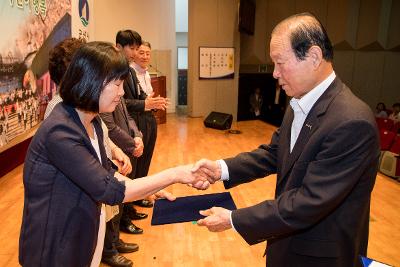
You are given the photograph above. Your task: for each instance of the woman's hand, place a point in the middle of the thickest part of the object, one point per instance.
(122, 161)
(138, 151)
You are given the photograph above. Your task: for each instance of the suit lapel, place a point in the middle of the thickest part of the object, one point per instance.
(310, 125)
(99, 131)
(75, 117)
(100, 139)
(130, 83)
(124, 111)
(284, 140)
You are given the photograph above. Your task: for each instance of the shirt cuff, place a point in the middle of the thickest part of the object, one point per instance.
(230, 216)
(224, 170)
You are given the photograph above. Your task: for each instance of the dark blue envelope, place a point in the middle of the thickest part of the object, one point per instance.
(186, 209)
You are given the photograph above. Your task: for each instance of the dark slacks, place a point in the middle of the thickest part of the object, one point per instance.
(111, 239)
(147, 124)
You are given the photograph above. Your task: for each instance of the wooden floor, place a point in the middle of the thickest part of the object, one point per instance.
(184, 140)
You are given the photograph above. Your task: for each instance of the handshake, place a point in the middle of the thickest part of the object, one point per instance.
(200, 175)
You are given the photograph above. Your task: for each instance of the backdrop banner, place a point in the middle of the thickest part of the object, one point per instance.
(30, 28)
(82, 24)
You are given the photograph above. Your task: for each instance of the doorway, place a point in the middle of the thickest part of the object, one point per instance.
(182, 75)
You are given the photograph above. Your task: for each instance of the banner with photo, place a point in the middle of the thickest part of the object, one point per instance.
(30, 28)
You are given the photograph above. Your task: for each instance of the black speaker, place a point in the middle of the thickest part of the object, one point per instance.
(218, 120)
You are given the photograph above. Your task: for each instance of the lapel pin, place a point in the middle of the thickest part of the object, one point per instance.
(308, 125)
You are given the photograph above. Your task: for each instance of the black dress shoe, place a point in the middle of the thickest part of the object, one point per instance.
(117, 261)
(123, 247)
(131, 229)
(138, 216)
(132, 213)
(144, 203)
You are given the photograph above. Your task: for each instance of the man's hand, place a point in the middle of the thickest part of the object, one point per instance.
(184, 175)
(155, 102)
(217, 219)
(208, 169)
(138, 151)
(121, 160)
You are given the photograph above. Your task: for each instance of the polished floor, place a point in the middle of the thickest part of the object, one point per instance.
(184, 140)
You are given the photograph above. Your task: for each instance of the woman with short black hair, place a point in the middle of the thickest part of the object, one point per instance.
(66, 172)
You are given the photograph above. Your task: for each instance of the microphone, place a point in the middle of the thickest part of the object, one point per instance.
(155, 69)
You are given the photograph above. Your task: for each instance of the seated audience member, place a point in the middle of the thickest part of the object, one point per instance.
(275, 105)
(256, 101)
(381, 111)
(395, 116)
(66, 172)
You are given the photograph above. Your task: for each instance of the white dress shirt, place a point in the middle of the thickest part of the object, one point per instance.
(143, 77)
(301, 108)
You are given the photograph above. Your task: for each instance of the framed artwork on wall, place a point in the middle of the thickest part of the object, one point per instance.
(216, 63)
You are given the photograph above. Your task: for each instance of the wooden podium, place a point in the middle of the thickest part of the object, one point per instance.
(159, 87)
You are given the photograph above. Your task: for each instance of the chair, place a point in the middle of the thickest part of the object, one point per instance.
(390, 161)
(384, 124)
(396, 127)
(387, 139)
(390, 164)
(395, 148)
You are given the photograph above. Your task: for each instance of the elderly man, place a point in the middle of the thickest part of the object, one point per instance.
(325, 155)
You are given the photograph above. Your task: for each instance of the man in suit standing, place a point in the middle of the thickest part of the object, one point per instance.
(123, 132)
(140, 106)
(325, 155)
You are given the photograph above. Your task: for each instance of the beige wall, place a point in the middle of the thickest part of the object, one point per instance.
(212, 23)
(154, 20)
(366, 39)
(253, 47)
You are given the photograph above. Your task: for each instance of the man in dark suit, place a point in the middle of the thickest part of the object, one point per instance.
(122, 131)
(140, 106)
(127, 42)
(325, 155)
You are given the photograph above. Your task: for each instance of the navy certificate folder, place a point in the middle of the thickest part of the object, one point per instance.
(186, 209)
